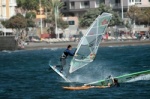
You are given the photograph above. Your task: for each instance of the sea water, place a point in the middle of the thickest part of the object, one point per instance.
(26, 74)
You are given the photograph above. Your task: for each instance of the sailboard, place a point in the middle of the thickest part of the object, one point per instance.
(89, 43)
(83, 87)
(121, 79)
(59, 73)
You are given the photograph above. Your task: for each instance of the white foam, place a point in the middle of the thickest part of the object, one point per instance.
(54, 49)
(45, 48)
(5, 51)
(143, 77)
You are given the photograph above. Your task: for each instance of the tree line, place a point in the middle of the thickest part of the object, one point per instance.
(139, 15)
(89, 16)
(22, 21)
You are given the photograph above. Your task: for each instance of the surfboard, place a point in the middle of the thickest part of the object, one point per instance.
(121, 79)
(60, 74)
(83, 87)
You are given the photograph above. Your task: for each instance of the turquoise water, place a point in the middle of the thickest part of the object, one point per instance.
(26, 74)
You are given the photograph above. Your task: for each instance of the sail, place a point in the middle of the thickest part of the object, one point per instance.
(122, 79)
(89, 43)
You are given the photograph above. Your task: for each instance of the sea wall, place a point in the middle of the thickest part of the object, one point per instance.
(8, 43)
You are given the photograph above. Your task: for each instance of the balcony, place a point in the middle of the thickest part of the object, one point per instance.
(10, 3)
(138, 3)
(117, 6)
(84, 7)
(13, 4)
(72, 7)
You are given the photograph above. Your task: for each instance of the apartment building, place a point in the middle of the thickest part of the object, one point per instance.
(7, 10)
(76, 8)
(117, 5)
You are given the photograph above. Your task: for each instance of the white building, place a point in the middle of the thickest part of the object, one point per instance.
(7, 10)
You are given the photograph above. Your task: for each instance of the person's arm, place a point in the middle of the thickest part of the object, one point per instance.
(70, 53)
(112, 78)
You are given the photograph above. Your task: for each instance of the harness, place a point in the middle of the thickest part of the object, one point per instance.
(64, 55)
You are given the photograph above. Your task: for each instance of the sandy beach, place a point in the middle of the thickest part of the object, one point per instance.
(42, 45)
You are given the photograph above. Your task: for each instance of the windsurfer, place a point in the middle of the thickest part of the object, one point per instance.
(64, 55)
(115, 82)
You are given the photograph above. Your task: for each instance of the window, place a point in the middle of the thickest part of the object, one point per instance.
(71, 22)
(65, 3)
(97, 2)
(72, 5)
(102, 1)
(65, 6)
(3, 2)
(11, 1)
(10, 11)
(4, 11)
(117, 1)
(85, 4)
(1, 33)
(137, 0)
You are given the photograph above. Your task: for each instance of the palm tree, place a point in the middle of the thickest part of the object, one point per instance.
(53, 13)
(51, 6)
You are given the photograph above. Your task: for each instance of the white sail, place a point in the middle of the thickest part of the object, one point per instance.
(88, 45)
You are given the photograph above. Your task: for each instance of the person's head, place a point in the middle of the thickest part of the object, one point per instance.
(69, 47)
(116, 81)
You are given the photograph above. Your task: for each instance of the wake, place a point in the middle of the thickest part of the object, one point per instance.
(143, 77)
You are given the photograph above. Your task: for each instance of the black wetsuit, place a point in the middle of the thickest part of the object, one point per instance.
(116, 85)
(64, 56)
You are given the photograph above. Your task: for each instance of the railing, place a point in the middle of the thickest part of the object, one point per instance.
(82, 7)
(7, 34)
(116, 5)
(72, 7)
(138, 3)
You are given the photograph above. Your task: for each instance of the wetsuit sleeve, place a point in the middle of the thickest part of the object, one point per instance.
(70, 53)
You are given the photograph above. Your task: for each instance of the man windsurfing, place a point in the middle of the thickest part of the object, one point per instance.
(64, 55)
(114, 80)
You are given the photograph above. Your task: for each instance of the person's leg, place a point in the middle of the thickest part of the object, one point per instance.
(63, 63)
